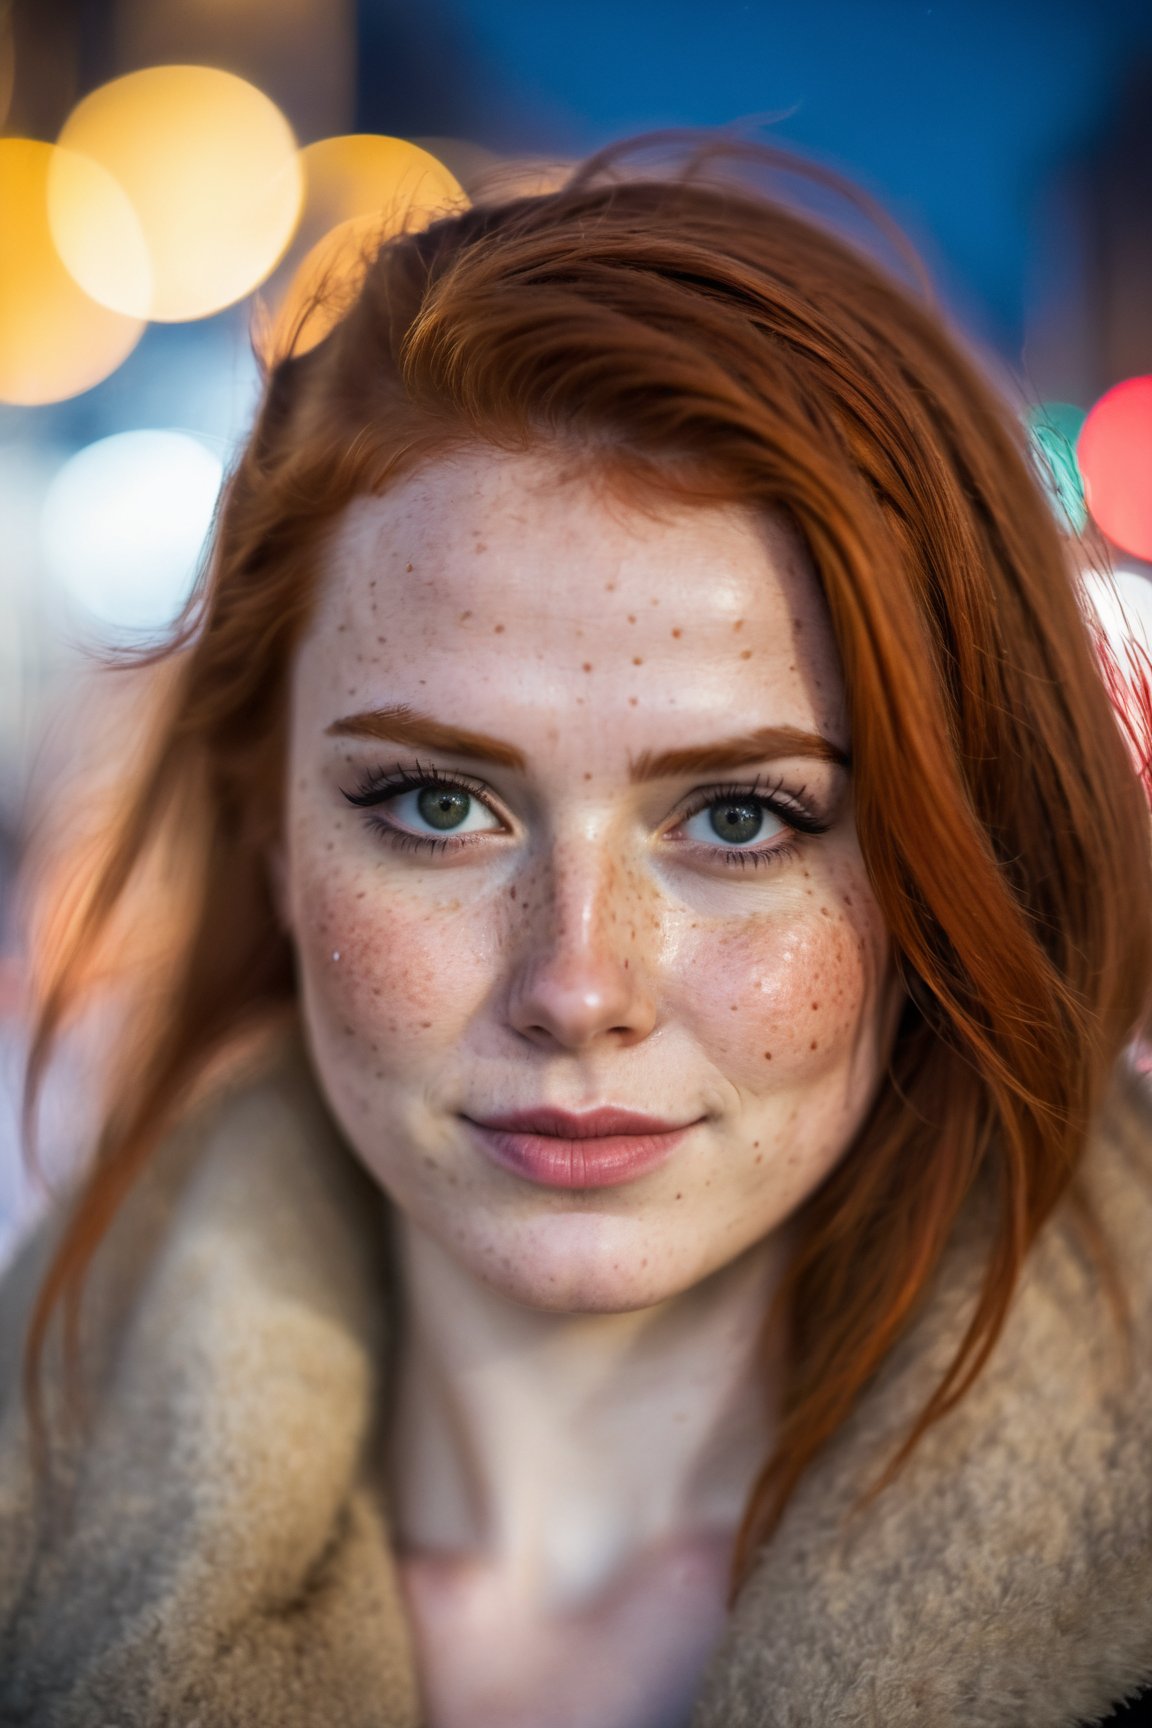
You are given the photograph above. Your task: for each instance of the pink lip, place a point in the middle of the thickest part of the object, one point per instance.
(599, 1149)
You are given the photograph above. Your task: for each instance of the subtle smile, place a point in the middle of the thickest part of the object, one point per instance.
(559, 1149)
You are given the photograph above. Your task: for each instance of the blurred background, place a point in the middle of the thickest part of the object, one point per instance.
(171, 172)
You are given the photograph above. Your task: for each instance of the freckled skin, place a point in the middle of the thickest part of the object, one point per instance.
(584, 951)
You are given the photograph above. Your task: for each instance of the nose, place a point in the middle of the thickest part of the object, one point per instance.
(579, 979)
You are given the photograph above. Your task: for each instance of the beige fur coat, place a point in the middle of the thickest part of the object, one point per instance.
(226, 1561)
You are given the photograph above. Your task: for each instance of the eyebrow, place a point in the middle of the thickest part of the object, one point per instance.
(404, 725)
(764, 745)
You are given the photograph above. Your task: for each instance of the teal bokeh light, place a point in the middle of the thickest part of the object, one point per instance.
(1054, 428)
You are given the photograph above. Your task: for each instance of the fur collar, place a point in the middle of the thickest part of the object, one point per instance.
(227, 1562)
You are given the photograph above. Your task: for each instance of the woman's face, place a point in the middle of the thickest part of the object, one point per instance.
(570, 831)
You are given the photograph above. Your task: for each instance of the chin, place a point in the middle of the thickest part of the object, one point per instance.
(580, 1265)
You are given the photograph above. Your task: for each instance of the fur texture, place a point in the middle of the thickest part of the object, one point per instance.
(216, 1555)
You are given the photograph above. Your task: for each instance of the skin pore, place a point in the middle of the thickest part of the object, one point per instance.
(649, 896)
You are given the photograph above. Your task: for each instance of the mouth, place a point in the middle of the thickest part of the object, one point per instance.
(595, 1149)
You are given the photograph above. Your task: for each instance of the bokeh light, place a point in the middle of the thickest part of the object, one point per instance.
(211, 169)
(364, 174)
(55, 340)
(124, 524)
(359, 191)
(1115, 455)
(1054, 428)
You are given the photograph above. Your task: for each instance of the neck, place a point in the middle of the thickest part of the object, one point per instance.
(565, 1447)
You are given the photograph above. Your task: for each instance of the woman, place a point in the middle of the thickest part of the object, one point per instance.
(624, 1202)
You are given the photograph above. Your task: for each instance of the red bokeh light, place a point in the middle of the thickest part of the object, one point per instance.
(1114, 451)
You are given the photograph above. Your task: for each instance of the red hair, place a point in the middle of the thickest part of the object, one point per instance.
(694, 336)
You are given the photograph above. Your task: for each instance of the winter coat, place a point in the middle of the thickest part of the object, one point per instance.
(225, 1558)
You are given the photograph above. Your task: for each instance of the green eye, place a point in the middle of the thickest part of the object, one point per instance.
(736, 822)
(444, 807)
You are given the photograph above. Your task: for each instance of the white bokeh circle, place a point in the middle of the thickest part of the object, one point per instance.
(124, 525)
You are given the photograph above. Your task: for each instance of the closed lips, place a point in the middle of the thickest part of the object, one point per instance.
(607, 1123)
(595, 1149)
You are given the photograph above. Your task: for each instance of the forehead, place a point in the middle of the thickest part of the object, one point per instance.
(525, 581)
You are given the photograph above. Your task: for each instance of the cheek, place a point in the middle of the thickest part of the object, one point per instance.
(386, 976)
(795, 996)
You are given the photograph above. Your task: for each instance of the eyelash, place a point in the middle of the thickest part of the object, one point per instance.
(380, 786)
(787, 806)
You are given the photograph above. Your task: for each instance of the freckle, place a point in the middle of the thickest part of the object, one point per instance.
(426, 1026)
(464, 617)
(746, 654)
(637, 660)
(381, 640)
(814, 1045)
(815, 1005)
(767, 1055)
(679, 1196)
(631, 617)
(481, 546)
(732, 1008)
(362, 894)
(587, 665)
(498, 630)
(739, 624)
(409, 568)
(824, 912)
(587, 776)
(610, 588)
(759, 1159)
(677, 632)
(349, 1032)
(631, 701)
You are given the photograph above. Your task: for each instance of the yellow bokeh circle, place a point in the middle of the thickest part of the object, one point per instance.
(210, 167)
(55, 340)
(359, 191)
(363, 174)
